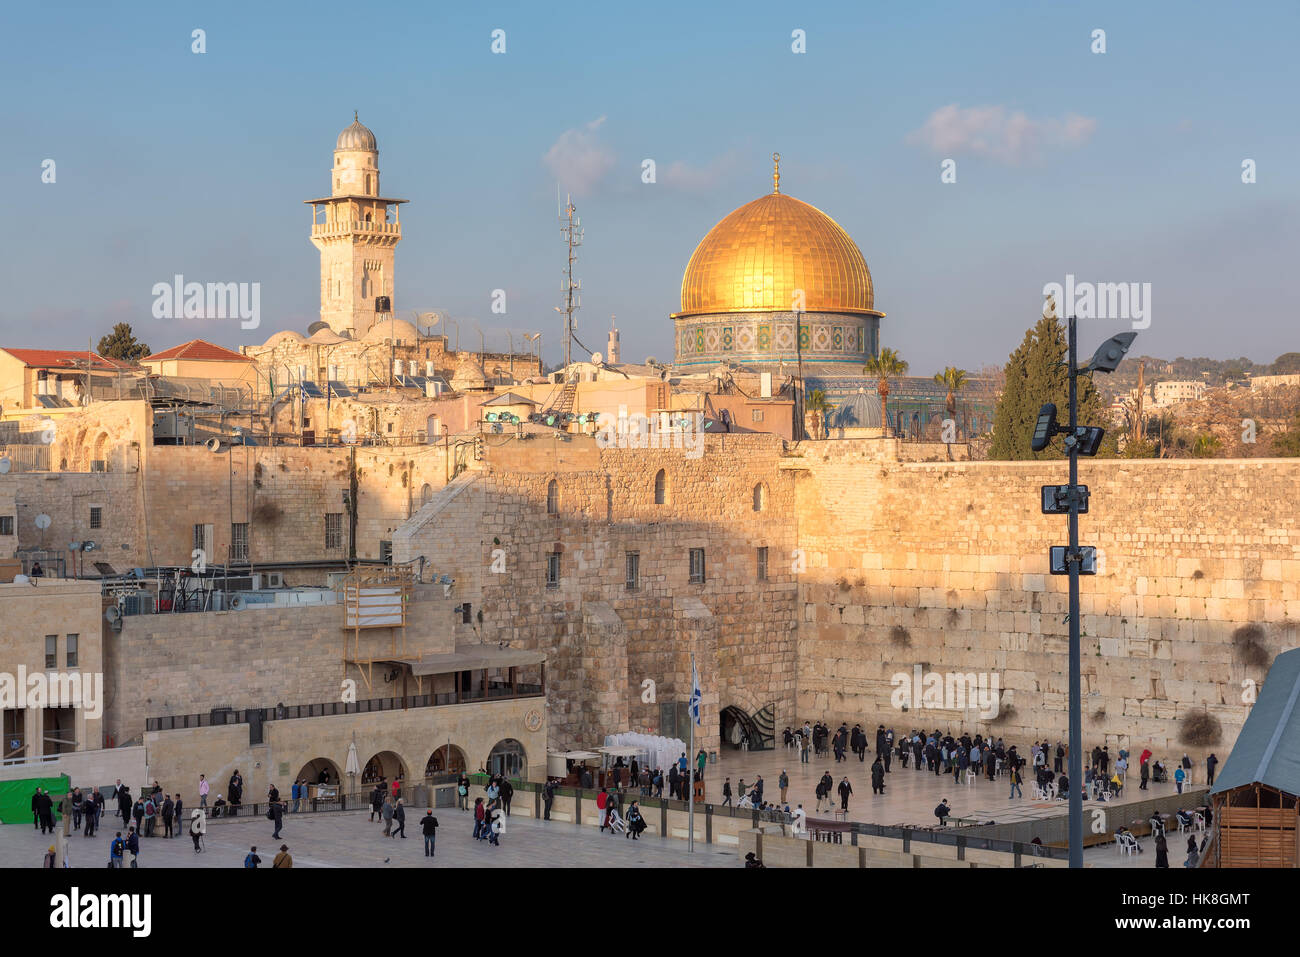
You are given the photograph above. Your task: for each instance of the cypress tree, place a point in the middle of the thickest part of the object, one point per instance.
(1036, 374)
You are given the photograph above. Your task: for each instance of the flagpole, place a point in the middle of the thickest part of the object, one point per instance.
(690, 757)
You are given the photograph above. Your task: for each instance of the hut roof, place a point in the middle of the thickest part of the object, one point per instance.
(1266, 751)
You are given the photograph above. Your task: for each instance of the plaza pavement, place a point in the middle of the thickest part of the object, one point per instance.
(348, 839)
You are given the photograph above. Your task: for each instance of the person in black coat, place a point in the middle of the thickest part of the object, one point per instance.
(399, 820)
(276, 811)
(505, 792)
(845, 790)
(36, 809)
(877, 777)
(1162, 852)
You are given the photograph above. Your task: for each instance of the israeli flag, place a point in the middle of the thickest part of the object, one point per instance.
(695, 691)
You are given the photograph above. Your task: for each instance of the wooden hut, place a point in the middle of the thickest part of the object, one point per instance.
(1255, 797)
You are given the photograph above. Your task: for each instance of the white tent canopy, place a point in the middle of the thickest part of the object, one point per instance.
(662, 751)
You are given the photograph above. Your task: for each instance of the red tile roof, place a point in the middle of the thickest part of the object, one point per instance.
(199, 349)
(62, 359)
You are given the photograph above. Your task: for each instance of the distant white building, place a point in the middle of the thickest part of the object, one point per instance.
(1175, 391)
(1274, 381)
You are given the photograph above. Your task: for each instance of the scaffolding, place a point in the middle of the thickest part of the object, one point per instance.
(375, 598)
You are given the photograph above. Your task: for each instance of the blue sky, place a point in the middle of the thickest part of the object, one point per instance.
(1116, 167)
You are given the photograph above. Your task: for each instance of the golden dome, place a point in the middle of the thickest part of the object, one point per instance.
(755, 259)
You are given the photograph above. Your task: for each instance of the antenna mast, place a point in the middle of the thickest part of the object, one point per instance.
(571, 227)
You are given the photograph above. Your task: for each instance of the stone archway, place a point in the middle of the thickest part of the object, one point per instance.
(447, 759)
(386, 765)
(509, 758)
(311, 772)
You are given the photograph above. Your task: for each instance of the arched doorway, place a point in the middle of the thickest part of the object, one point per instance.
(737, 726)
(508, 757)
(313, 770)
(383, 766)
(448, 759)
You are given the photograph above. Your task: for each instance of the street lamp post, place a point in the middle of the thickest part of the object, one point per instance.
(1071, 500)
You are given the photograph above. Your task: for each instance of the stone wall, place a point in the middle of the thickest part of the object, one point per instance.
(945, 566)
(171, 664)
(741, 630)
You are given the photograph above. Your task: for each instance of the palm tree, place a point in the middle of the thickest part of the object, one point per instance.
(819, 408)
(954, 379)
(885, 366)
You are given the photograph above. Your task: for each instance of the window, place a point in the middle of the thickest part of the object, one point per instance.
(466, 614)
(6, 524)
(762, 564)
(333, 529)
(760, 497)
(553, 498)
(51, 651)
(756, 415)
(239, 542)
(633, 571)
(96, 516)
(72, 651)
(661, 487)
(386, 552)
(697, 566)
(553, 570)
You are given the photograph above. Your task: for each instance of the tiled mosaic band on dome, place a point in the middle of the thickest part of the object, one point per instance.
(765, 337)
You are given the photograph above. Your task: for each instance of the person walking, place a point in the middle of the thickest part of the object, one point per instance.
(295, 792)
(635, 822)
(124, 803)
(90, 814)
(251, 859)
(133, 846)
(877, 776)
(399, 815)
(507, 792)
(429, 828)
(1015, 784)
(1162, 852)
(204, 787)
(283, 859)
(602, 805)
(1145, 771)
(116, 850)
(783, 782)
(386, 815)
(462, 791)
(276, 813)
(478, 819)
(845, 790)
(726, 793)
(178, 815)
(1179, 777)
(198, 827)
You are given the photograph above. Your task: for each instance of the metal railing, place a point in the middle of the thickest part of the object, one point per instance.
(218, 717)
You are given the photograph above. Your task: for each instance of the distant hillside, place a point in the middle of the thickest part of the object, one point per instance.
(1213, 372)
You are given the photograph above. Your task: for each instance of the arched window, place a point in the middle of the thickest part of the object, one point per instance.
(661, 487)
(553, 498)
(760, 497)
(426, 493)
(508, 758)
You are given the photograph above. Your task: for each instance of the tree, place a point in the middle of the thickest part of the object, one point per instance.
(1036, 374)
(121, 343)
(1287, 444)
(819, 408)
(1288, 363)
(954, 379)
(888, 365)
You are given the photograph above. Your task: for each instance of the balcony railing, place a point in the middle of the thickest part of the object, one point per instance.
(218, 717)
(356, 226)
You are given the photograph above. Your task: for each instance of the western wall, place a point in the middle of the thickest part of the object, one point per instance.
(877, 563)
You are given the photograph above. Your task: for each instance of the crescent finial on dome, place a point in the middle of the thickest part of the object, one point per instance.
(776, 172)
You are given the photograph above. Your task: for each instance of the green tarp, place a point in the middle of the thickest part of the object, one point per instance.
(16, 797)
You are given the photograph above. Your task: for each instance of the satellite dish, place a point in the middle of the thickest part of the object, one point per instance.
(651, 361)
(213, 445)
(112, 613)
(42, 521)
(88, 546)
(597, 358)
(237, 603)
(5, 465)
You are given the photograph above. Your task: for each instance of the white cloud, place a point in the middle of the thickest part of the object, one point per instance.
(579, 160)
(691, 178)
(998, 134)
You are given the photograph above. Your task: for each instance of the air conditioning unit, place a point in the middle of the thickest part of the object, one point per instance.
(99, 465)
(275, 579)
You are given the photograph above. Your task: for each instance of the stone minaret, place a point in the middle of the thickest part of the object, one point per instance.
(612, 353)
(356, 235)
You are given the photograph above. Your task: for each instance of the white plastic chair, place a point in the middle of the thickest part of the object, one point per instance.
(970, 777)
